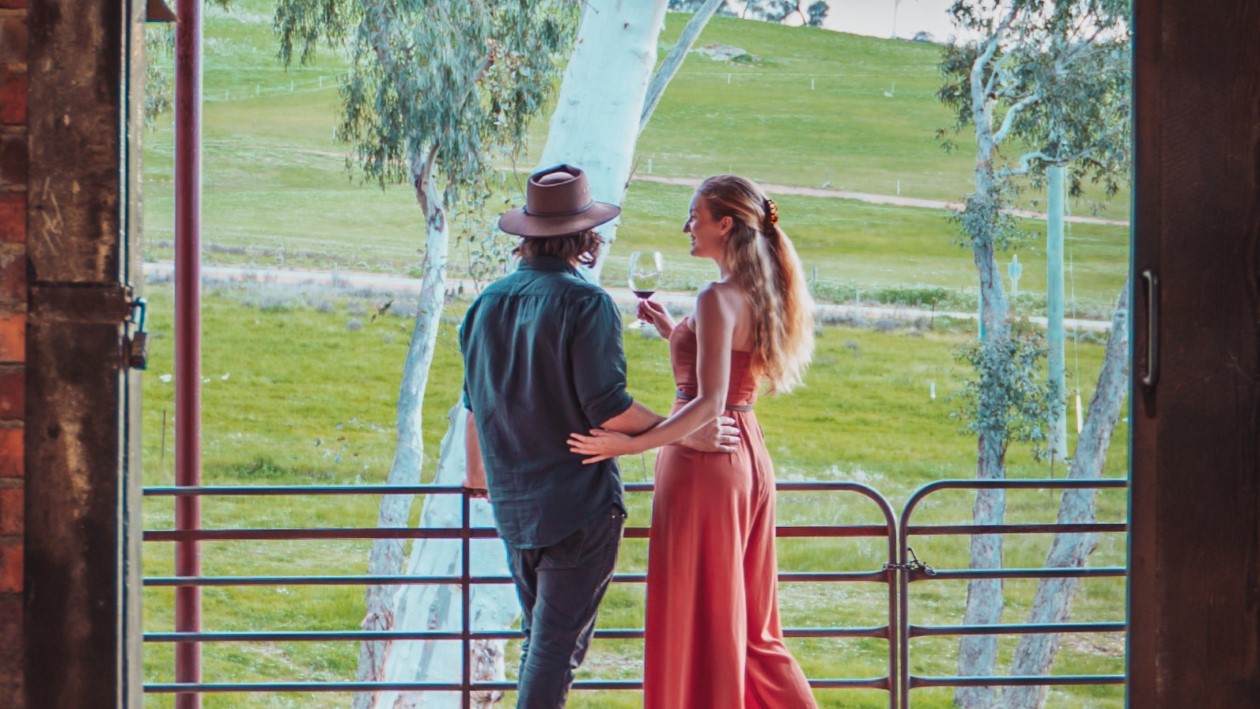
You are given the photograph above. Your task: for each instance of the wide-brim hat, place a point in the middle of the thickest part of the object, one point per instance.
(557, 203)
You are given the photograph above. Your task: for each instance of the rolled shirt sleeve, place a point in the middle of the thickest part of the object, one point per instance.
(599, 361)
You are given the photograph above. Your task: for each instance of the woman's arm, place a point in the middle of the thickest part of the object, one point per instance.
(474, 466)
(714, 323)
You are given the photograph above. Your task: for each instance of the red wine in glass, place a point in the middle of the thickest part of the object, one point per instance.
(646, 268)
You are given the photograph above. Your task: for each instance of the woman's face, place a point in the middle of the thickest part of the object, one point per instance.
(708, 235)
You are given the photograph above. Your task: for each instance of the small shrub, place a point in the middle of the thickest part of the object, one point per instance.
(913, 296)
(886, 325)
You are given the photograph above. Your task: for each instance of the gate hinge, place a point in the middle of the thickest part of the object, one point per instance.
(136, 345)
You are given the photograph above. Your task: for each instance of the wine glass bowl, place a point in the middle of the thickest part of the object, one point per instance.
(646, 269)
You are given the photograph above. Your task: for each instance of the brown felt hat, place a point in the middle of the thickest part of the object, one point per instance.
(557, 203)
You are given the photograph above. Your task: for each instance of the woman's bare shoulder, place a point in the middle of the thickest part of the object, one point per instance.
(721, 302)
(725, 291)
(733, 299)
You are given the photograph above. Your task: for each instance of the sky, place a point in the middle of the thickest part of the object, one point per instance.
(875, 17)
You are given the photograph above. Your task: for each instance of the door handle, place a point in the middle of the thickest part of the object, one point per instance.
(1150, 284)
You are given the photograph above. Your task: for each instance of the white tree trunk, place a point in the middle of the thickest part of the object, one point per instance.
(387, 554)
(1053, 603)
(977, 654)
(438, 607)
(596, 122)
(595, 126)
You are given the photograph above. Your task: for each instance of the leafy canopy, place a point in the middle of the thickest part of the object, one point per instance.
(1052, 76)
(433, 84)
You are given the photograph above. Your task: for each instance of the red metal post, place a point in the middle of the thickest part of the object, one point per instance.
(188, 334)
(465, 586)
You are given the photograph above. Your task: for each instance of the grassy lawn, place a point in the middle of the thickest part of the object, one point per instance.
(300, 386)
(320, 408)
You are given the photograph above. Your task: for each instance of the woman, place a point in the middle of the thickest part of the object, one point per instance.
(713, 632)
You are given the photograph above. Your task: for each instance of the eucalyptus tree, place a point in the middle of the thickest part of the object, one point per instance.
(434, 90)
(817, 12)
(1043, 84)
(607, 95)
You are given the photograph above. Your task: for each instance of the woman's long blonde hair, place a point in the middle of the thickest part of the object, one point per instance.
(762, 261)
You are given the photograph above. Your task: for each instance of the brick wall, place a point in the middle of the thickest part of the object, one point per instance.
(13, 299)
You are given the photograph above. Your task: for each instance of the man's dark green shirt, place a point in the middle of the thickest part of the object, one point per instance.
(543, 358)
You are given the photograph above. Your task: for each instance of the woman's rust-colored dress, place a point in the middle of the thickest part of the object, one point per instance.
(713, 634)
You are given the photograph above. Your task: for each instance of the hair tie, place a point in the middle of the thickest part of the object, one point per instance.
(772, 212)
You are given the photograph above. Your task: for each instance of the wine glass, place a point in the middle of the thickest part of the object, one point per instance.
(646, 268)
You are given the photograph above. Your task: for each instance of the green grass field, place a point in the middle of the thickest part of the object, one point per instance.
(300, 386)
(319, 410)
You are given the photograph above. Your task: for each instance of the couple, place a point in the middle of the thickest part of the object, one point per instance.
(545, 382)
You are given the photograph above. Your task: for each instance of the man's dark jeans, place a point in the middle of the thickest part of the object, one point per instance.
(560, 588)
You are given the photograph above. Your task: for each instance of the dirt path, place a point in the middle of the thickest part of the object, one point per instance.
(867, 197)
(389, 283)
(871, 198)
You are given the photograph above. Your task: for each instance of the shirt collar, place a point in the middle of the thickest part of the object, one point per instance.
(547, 263)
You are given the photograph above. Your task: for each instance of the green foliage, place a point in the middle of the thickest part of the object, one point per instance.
(488, 251)
(988, 217)
(1056, 75)
(1009, 395)
(159, 89)
(915, 296)
(817, 13)
(433, 85)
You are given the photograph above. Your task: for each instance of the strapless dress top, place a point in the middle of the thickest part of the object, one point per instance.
(744, 382)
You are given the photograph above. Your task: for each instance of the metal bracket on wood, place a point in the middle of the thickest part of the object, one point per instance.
(95, 304)
(136, 347)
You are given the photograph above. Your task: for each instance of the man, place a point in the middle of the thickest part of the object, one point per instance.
(543, 358)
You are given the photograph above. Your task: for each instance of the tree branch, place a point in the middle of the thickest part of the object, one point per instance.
(1025, 160)
(478, 75)
(991, 85)
(1009, 119)
(977, 67)
(375, 14)
(421, 176)
(1025, 164)
(674, 60)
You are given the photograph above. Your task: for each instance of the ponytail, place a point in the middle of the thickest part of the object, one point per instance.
(763, 262)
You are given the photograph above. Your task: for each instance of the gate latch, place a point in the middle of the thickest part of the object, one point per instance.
(912, 566)
(137, 348)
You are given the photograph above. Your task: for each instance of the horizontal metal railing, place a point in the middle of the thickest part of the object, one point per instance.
(916, 571)
(466, 581)
(901, 570)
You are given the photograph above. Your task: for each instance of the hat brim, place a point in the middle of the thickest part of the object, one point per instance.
(533, 226)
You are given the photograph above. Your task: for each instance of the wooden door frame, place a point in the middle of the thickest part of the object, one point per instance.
(1194, 586)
